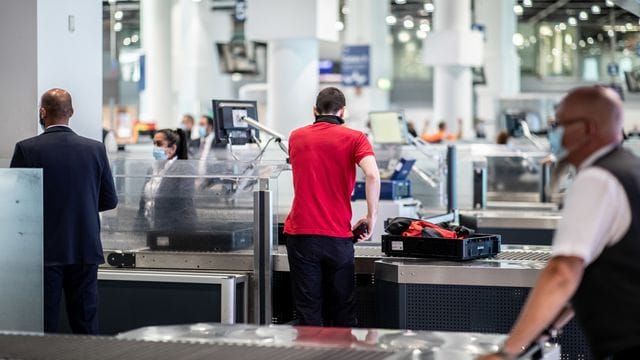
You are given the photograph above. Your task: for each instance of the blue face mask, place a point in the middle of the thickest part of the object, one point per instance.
(202, 132)
(159, 153)
(555, 141)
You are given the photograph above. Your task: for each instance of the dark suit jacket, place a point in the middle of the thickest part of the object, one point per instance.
(77, 185)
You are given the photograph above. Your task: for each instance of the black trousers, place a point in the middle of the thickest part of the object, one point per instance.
(322, 279)
(79, 282)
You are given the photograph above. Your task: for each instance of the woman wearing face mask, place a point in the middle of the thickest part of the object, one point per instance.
(167, 201)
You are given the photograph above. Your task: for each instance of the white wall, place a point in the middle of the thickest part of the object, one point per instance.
(18, 103)
(72, 60)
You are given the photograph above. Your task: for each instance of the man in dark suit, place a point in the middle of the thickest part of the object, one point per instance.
(77, 185)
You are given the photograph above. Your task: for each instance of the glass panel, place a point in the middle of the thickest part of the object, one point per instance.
(21, 260)
(186, 205)
(513, 175)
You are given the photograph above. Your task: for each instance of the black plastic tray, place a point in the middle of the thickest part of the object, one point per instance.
(475, 247)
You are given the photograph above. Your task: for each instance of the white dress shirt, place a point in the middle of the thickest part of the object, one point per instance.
(596, 212)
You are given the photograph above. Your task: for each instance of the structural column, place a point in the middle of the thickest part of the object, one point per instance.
(501, 64)
(292, 29)
(452, 49)
(197, 76)
(365, 25)
(157, 97)
(48, 44)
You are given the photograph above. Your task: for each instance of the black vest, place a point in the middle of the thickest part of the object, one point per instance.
(607, 302)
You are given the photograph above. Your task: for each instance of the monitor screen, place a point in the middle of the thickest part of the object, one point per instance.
(237, 57)
(228, 126)
(388, 127)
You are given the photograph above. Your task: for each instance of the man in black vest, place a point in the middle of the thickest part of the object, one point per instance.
(595, 263)
(77, 185)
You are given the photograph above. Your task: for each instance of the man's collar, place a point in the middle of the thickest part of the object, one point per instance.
(597, 155)
(55, 125)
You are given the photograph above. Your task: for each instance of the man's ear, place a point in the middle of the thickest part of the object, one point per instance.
(340, 112)
(315, 111)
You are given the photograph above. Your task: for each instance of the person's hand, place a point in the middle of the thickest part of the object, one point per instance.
(366, 220)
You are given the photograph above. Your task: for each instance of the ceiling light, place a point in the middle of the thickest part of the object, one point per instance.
(400, 2)
(545, 30)
(609, 3)
(135, 38)
(126, 41)
(117, 26)
(518, 10)
(568, 39)
(517, 39)
(527, 3)
(425, 27)
(339, 26)
(118, 15)
(583, 15)
(611, 33)
(421, 34)
(555, 52)
(582, 43)
(628, 26)
(391, 20)
(562, 26)
(408, 24)
(572, 21)
(345, 10)
(595, 9)
(590, 39)
(428, 7)
(403, 36)
(574, 46)
(532, 39)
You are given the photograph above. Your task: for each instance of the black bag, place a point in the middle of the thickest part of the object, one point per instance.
(398, 225)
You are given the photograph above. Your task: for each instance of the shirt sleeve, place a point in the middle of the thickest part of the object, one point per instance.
(363, 148)
(596, 215)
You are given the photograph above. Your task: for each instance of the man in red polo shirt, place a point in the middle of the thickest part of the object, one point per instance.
(323, 157)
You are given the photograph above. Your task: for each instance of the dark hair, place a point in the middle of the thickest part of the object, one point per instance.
(209, 120)
(329, 101)
(179, 139)
(57, 103)
(442, 125)
(188, 117)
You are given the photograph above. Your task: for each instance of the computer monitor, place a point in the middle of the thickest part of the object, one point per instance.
(228, 126)
(238, 57)
(388, 127)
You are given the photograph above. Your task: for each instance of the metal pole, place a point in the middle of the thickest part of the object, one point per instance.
(452, 196)
(262, 260)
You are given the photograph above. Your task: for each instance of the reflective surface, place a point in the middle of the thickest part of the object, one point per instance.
(186, 205)
(21, 255)
(399, 344)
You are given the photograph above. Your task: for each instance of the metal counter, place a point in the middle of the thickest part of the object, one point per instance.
(215, 341)
(514, 266)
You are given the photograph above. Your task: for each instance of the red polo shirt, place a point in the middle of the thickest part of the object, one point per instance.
(323, 158)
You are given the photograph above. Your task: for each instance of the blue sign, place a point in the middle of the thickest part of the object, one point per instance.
(355, 65)
(613, 69)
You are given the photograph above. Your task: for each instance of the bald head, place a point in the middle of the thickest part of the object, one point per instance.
(598, 106)
(55, 106)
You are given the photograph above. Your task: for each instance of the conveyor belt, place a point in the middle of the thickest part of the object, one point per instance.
(521, 255)
(35, 347)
